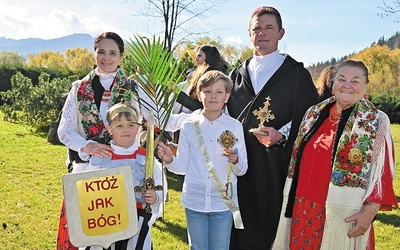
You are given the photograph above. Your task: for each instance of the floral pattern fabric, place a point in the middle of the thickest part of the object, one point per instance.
(351, 164)
(91, 119)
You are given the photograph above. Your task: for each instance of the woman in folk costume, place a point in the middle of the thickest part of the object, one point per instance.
(83, 116)
(341, 171)
(124, 126)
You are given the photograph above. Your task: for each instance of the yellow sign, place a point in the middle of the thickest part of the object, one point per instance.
(103, 205)
(100, 206)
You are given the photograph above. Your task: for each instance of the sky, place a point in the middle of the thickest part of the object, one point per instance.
(315, 30)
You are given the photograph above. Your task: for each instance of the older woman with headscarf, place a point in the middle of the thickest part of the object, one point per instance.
(341, 172)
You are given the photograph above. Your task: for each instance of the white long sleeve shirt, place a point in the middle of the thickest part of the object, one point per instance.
(68, 128)
(199, 192)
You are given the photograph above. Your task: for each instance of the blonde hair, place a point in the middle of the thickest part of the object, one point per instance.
(210, 77)
(121, 109)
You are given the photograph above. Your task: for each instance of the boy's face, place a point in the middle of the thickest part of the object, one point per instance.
(123, 131)
(214, 96)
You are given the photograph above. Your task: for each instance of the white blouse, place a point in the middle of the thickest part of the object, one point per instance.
(199, 192)
(68, 128)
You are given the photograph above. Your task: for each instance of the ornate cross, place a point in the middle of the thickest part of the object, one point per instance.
(263, 113)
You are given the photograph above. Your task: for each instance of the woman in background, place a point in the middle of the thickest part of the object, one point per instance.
(207, 58)
(325, 82)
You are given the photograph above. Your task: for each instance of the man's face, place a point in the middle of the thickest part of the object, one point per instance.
(265, 34)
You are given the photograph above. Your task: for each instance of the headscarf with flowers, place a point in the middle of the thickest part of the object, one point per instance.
(91, 123)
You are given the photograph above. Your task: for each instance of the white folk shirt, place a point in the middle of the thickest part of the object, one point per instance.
(261, 68)
(199, 192)
(68, 124)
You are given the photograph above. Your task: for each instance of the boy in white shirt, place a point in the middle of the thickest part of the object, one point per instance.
(211, 153)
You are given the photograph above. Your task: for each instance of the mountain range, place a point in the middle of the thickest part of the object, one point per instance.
(35, 45)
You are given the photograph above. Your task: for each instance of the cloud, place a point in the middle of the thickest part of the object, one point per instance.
(18, 22)
(233, 39)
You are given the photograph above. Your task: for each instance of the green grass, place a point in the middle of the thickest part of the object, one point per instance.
(31, 194)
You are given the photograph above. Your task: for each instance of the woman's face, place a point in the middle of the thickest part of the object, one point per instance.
(200, 57)
(107, 55)
(349, 86)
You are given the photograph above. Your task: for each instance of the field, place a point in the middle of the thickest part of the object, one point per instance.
(31, 194)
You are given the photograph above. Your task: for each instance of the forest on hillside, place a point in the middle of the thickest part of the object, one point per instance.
(392, 43)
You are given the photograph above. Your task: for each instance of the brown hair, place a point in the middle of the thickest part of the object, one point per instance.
(210, 77)
(267, 10)
(325, 82)
(112, 36)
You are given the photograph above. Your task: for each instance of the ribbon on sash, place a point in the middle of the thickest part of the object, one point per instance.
(237, 218)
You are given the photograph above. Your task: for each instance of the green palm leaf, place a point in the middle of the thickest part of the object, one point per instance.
(157, 76)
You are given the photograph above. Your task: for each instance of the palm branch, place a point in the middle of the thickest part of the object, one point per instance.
(157, 76)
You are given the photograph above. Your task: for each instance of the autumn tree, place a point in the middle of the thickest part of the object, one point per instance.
(384, 69)
(12, 58)
(79, 60)
(182, 19)
(231, 54)
(50, 59)
(245, 53)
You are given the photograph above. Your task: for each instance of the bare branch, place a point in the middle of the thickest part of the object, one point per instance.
(392, 9)
(181, 18)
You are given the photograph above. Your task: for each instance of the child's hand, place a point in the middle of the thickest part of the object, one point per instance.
(150, 196)
(232, 155)
(164, 152)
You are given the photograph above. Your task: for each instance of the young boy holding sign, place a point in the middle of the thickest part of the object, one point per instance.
(124, 126)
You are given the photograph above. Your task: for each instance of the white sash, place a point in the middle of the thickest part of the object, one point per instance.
(237, 218)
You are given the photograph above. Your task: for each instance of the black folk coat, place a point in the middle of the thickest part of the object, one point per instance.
(260, 190)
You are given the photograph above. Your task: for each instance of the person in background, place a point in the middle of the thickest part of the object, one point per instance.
(271, 93)
(83, 121)
(208, 58)
(210, 55)
(211, 154)
(124, 124)
(325, 82)
(183, 86)
(342, 169)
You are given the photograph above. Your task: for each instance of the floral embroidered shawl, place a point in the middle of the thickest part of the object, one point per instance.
(357, 169)
(90, 114)
(352, 162)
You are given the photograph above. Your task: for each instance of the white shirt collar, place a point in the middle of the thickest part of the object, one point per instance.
(124, 151)
(105, 76)
(261, 68)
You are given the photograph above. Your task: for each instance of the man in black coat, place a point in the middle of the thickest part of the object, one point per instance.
(271, 92)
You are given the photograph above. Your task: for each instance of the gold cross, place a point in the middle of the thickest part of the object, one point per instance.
(263, 113)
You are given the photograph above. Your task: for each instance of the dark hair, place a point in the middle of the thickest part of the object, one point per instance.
(354, 63)
(325, 82)
(112, 36)
(213, 58)
(267, 10)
